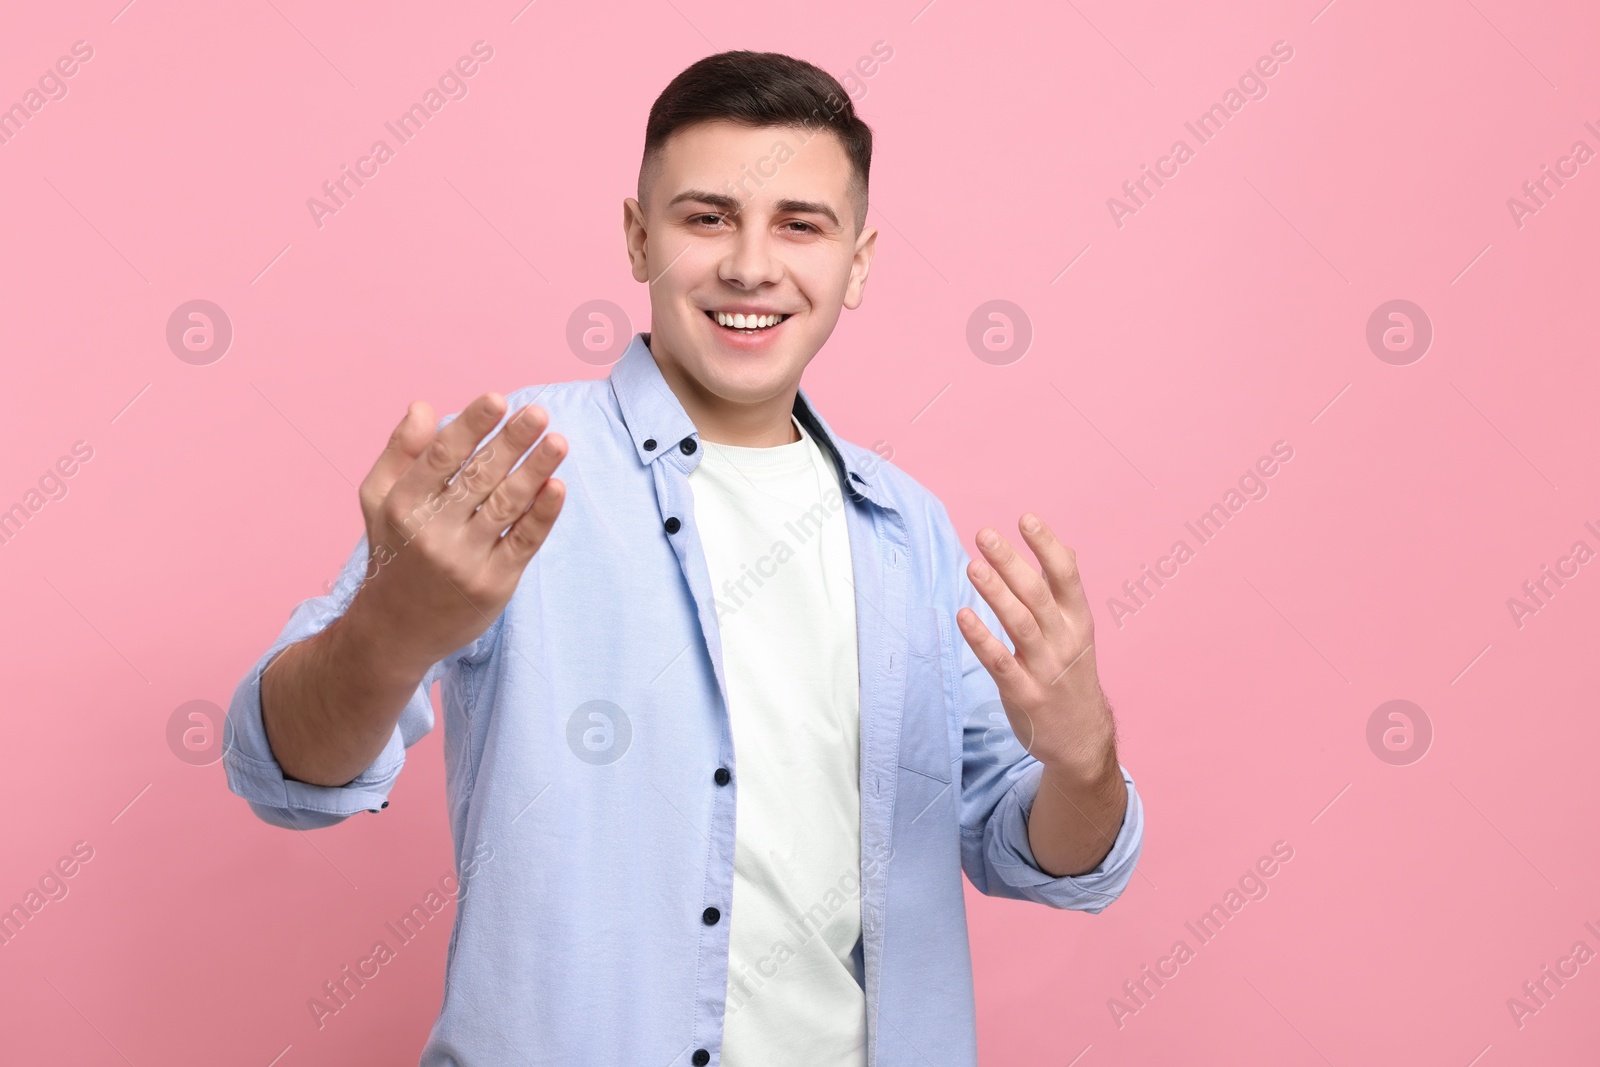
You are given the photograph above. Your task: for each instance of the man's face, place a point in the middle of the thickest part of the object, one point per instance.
(753, 221)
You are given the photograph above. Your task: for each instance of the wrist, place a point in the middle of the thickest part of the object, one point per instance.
(1089, 755)
(367, 638)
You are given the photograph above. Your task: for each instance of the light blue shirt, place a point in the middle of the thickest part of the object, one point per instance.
(585, 744)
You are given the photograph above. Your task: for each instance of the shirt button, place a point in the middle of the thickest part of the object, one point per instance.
(722, 776)
(687, 445)
(700, 1058)
(710, 916)
(649, 444)
(673, 524)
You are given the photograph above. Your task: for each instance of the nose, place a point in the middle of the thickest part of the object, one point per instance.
(750, 263)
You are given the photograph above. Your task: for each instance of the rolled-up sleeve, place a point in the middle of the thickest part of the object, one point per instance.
(252, 770)
(1000, 851)
(999, 780)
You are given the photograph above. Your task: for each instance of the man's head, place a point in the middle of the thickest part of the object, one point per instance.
(752, 199)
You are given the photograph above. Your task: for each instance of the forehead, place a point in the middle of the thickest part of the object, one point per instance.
(754, 163)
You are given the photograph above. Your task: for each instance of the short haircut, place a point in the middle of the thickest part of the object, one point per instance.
(759, 89)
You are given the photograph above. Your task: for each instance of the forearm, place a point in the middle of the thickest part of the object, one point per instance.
(1078, 812)
(329, 703)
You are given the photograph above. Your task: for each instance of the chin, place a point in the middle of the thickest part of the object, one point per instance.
(741, 383)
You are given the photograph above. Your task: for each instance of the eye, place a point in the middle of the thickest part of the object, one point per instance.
(806, 225)
(701, 218)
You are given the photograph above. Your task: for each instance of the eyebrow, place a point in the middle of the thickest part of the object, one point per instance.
(730, 205)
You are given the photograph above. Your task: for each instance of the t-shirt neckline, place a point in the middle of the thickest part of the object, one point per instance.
(767, 459)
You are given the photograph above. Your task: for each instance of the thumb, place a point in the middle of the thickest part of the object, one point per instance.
(410, 437)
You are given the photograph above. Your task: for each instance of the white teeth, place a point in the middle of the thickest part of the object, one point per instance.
(747, 322)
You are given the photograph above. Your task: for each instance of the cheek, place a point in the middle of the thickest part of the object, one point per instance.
(676, 268)
(822, 276)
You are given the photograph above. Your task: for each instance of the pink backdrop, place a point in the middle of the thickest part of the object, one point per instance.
(1173, 342)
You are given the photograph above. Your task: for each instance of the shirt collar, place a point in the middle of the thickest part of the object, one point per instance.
(657, 423)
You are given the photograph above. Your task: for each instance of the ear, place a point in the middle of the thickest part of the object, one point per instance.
(855, 290)
(633, 232)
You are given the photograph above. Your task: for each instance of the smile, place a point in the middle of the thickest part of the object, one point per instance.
(745, 323)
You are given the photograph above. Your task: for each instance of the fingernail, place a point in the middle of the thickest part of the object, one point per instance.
(989, 539)
(1030, 522)
(980, 569)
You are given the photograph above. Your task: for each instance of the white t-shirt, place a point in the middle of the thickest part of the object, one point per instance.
(772, 525)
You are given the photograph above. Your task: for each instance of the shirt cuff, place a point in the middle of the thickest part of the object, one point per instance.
(1009, 854)
(254, 773)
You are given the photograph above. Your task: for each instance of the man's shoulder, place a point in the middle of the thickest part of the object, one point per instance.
(567, 395)
(566, 398)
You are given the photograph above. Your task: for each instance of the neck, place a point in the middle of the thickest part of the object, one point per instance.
(764, 424)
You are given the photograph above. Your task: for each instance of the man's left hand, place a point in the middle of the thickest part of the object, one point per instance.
(1050, 687)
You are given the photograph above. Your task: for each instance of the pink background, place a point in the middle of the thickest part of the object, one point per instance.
(1230, 312)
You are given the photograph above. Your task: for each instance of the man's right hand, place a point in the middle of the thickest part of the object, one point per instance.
(439, 570)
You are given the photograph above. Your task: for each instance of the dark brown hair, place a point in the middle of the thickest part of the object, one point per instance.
(759, 89)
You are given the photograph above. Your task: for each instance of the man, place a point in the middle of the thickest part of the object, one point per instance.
(713, 746)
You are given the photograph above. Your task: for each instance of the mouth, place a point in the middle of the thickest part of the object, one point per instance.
(747, 325)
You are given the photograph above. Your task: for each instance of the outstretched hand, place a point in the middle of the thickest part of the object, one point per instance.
(1050, 687)
(449, 531)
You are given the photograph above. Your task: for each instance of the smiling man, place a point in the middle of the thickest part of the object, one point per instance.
(721, 741)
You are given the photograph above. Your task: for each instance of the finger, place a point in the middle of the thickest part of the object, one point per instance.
(1060, 566)
(489, 465)
(1018, 594)
(527, 534)
(450, 447)
(1017, 620)
(991, 651)
(406, 443)
(516, 490)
